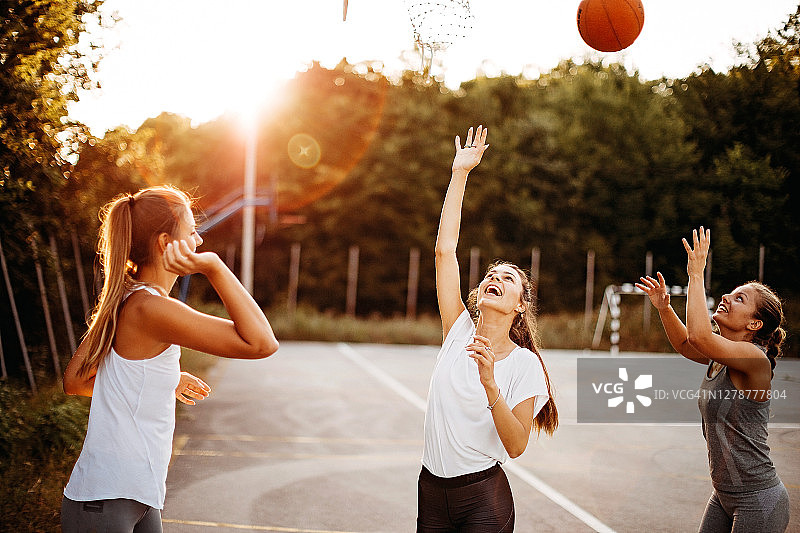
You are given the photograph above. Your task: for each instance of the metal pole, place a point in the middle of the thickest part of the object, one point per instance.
(17, 323)
(761, 254)
(230, 256)
(648, 270)
(48, 322)
(62, 292)
(413, 283)
(3, 372)
(294, 277)
(601, 317)
(535, 261)
(76, 250)
(587, 312)
(248, 211)
(352, 281)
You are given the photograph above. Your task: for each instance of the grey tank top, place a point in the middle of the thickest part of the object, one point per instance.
(735, 429)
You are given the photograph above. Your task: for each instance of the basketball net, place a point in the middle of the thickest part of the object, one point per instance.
(437, 24)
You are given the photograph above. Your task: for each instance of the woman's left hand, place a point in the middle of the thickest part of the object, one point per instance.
(698, 252)
(480, 349)
(190, 387)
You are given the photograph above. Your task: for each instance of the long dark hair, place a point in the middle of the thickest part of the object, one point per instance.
(769, 310)
(523, 333)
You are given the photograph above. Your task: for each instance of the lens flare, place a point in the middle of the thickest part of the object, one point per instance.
(304, 150)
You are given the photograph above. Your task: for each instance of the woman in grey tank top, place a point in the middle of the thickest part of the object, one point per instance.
(734, 396)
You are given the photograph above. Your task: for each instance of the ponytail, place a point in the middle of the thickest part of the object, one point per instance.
(114, 249)
(769, 310)
(129, 231)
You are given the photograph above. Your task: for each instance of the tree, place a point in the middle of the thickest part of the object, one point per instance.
(42, 67)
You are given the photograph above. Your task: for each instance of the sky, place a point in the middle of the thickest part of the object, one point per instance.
(199, 59)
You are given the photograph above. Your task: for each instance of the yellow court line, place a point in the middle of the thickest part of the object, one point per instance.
(360, 456)
(299, 440)
(243, 526)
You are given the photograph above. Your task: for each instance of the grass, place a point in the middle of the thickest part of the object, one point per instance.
(40, 439)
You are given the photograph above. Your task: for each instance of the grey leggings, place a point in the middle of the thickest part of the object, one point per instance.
(111, 516)
(760, 511)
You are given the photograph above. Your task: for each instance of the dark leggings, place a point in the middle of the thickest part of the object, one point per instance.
(760, 511)
(111, 516)
(472, 503)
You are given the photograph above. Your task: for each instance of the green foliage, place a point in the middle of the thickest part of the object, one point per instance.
(308, 324)
(587, 157)
(40, 439)
(41, 69)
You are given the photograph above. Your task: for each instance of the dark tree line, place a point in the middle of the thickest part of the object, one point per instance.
(587, 157)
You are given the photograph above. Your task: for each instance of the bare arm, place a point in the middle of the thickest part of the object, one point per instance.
(740, 355)
(74, 383)
(448, 286)
(246, 335)
(513, 425)
(673, 327)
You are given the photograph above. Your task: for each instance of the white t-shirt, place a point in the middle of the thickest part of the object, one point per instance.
(460, 435)
(131, 420)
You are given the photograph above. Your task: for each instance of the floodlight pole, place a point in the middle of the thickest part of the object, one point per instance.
(248, 211)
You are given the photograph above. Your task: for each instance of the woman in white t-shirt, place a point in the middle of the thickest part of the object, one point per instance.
(489, 386)
(129, 360)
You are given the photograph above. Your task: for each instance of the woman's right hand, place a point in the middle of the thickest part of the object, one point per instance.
(469, 156)
(179, 259)
(656, 290)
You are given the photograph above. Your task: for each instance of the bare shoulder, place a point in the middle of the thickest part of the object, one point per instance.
(143, 305)
(135, 337)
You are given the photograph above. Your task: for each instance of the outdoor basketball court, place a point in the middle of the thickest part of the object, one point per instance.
(326, 437)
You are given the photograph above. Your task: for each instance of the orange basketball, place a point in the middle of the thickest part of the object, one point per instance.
(610, 25)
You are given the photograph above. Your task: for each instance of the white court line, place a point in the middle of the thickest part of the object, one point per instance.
(548, 491)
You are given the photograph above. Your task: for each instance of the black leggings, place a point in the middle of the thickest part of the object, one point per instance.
(472, 503)
(109, 516)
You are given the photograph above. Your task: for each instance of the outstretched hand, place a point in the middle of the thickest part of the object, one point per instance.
(190, 387)
(656, 290)
(469, 156)
(698, 252)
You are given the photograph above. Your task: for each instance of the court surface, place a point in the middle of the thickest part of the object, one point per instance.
(326, 437)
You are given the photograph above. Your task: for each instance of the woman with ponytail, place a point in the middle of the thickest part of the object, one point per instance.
(734, 396)
(129, 360)
(489, 386)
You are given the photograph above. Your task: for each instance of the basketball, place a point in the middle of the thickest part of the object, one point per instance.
(610, 25)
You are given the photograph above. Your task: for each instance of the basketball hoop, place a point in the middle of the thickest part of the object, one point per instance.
(437, 24)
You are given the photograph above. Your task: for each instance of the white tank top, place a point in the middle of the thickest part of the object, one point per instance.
(460, 435)
(131, 420)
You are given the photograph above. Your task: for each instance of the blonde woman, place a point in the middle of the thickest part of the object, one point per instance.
(489, 386)
(129, 364)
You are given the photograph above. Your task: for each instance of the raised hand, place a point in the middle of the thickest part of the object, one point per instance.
(480, 349)
(180, 259)
(190, 387)
(656, 290)
(698, 252)
(469, 156)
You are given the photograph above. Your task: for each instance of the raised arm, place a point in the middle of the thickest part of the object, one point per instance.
(246, 335)
(448, 287)
(673, 327)
(740, 355)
